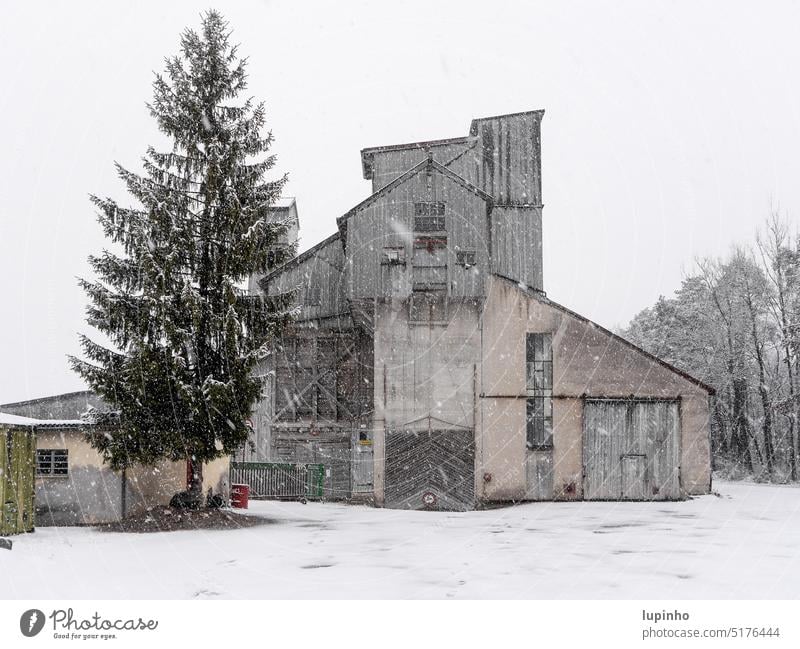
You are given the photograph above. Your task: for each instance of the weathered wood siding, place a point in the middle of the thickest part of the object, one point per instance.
(439, 464)
(517, 244)
(316, 277)
(391, 163)
(501, 156)
(510, 168)
(631, 450)
(388, 222)
(322, 375)
(286, 215)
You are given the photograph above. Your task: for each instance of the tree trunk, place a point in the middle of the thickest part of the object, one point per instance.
(769, 453)
(196, 484)
(741, 429)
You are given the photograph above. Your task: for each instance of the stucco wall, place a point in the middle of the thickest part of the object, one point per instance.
(92, 493)
(586, 361)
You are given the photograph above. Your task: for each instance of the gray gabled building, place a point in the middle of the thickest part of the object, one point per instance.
(428, 369)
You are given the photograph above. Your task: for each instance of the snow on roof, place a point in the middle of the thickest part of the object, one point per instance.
(17, 420)
(283, 203)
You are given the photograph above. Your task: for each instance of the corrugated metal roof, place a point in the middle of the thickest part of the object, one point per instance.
(28, 422)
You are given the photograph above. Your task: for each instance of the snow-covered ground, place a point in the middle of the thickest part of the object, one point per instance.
(744, 543)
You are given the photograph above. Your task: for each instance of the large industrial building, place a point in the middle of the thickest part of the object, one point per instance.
(427, 368)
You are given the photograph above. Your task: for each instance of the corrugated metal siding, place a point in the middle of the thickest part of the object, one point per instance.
(625, 441)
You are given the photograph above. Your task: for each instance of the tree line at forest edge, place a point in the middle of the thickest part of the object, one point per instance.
(735, 324)
(185, 336)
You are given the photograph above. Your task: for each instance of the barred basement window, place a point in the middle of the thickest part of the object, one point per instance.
(539, 379)
(52, 462)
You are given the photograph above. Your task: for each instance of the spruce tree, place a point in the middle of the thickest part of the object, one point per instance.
(184, 335)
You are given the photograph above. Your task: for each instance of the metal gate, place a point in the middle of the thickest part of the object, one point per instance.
(276, 480)
(430, 469)
(631, 449)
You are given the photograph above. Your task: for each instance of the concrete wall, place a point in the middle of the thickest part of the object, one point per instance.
(423, 370)
(586, 361)
(92, 493)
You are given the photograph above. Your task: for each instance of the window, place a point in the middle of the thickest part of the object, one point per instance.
(430, 264)
(466, 258)
(429, 217)
(429, 224)
(539, 379)
(394, 255)
(52, 462)
(429, 209)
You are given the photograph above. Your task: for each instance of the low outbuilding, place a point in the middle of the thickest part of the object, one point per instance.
(72, 484)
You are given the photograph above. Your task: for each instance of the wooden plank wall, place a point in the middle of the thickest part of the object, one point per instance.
(323, 375)
(389, 222)
(510, 158)
(388, 165)
(502, 157)
(517, 244)
(441, 462)
(616, 429)
(317, 278)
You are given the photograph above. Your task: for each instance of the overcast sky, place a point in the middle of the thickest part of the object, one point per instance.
(669, 130)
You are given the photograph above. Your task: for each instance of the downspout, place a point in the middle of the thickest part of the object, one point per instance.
(124, 494)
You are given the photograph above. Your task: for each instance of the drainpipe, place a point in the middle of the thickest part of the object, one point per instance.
(124, 493)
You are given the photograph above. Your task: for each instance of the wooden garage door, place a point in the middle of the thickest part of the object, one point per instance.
(430, 469)
(631, 450)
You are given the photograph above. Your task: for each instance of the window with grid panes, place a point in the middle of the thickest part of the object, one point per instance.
(429, 217)
(539, 379)
(52, 462)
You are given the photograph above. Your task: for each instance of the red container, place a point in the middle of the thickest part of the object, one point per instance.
(240, 495)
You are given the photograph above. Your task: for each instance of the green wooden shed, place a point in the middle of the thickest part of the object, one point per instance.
(17, 481)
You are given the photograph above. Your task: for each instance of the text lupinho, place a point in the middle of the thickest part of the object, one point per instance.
(664, 616)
